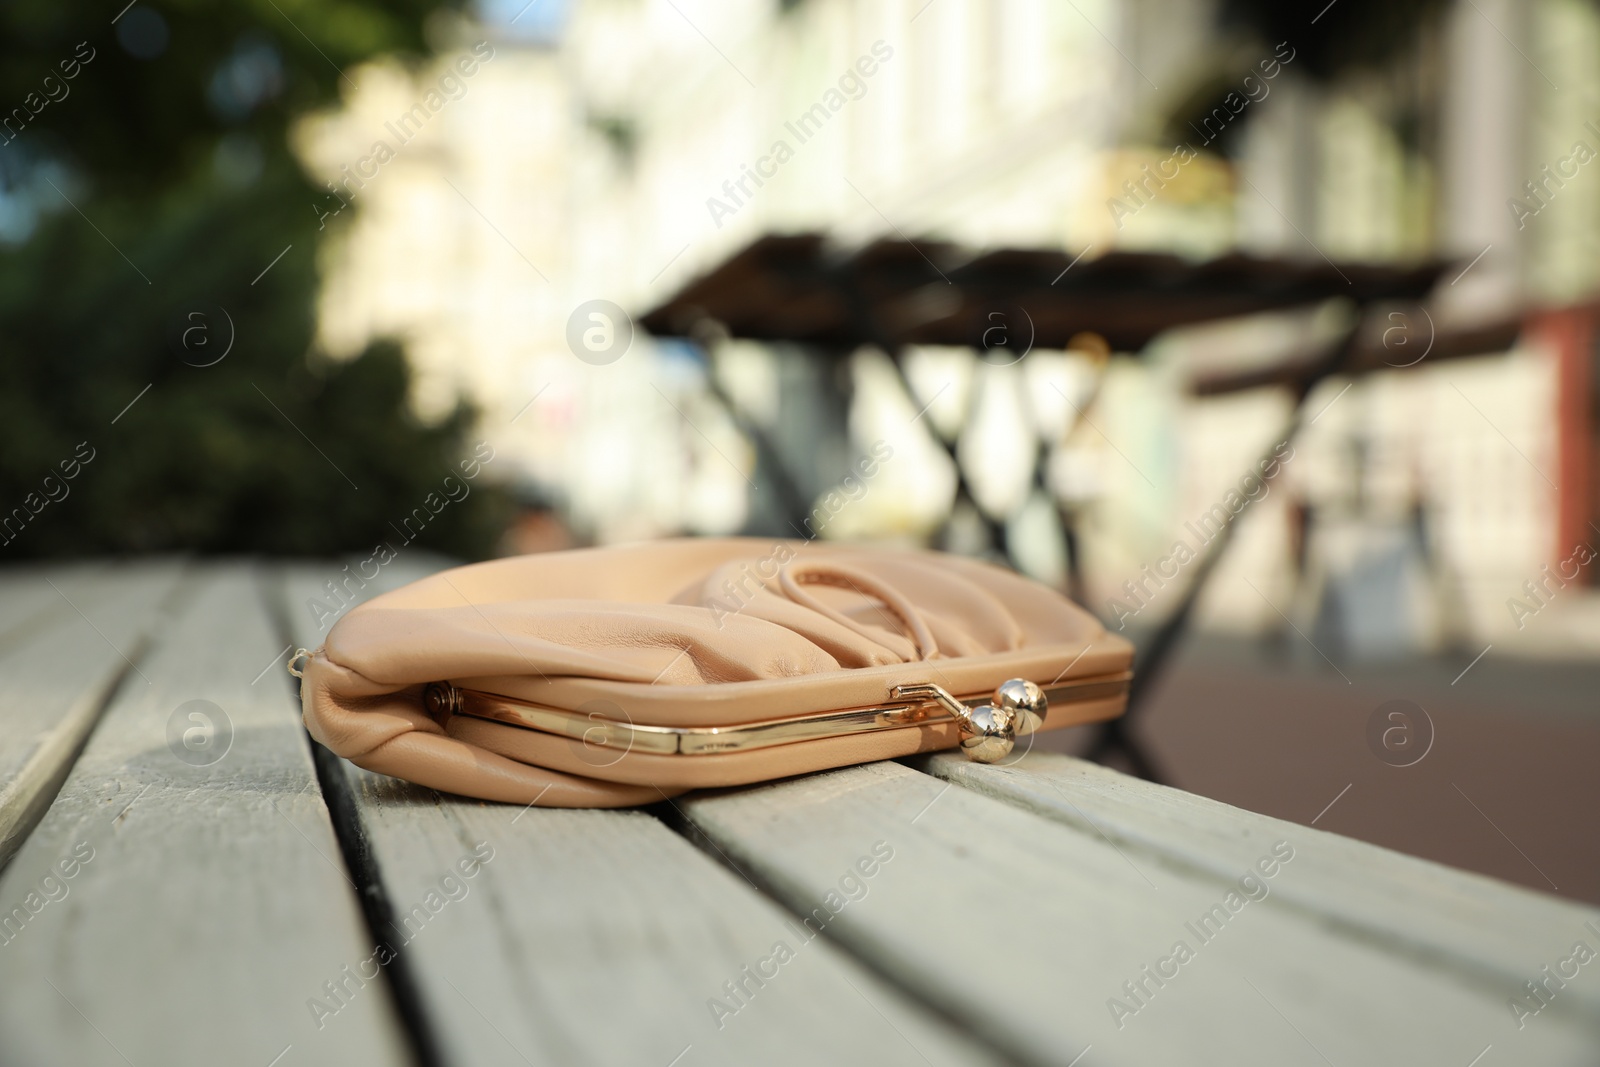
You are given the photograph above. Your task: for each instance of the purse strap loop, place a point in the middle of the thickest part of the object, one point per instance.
(300, 654)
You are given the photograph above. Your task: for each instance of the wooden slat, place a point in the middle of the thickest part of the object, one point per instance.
(1026, 928)
(1447, 918)
(602, 936)
(213, 904)
(67, 634)
(29, 599)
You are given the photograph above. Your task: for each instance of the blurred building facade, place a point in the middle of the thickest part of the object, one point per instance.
(615, 149)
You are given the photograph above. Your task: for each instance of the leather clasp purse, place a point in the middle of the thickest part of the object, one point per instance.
(617, 676)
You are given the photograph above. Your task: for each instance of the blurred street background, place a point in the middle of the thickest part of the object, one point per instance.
(1075, 286)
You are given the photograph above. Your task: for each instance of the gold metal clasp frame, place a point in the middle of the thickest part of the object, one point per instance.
(988, 729)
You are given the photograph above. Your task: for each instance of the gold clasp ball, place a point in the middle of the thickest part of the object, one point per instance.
(1026, 702)
(988, 733)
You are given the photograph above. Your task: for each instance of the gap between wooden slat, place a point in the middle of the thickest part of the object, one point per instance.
(676, 819)
(355, 849)
(41, 778)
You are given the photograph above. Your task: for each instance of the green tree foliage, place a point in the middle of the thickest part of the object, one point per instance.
(141, 199)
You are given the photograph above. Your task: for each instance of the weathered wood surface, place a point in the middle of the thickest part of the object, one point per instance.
(604, 937)
(1458, 922)
(67, 635)
(205, 904)
(30, 596)
(1025, 929)
(968, 914)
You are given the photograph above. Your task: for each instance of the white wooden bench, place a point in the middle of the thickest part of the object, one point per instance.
(209, 890)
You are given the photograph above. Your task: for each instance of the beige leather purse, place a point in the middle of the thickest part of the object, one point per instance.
(609, 677)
